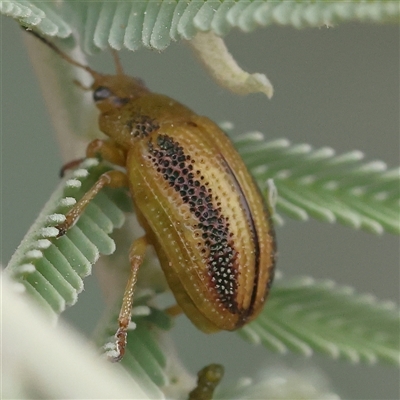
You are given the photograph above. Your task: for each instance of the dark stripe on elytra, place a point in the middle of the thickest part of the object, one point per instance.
(177, 168)
(254, 234)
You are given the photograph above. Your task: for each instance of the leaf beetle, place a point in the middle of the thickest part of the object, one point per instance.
(194, 197)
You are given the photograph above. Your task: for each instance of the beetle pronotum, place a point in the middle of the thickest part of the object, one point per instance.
(194, 197)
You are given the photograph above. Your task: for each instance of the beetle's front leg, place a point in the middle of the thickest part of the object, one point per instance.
(98, 148)
(113, 179)
(136, 255)
(106, 150)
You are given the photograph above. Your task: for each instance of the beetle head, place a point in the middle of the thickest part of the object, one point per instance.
(114, 91)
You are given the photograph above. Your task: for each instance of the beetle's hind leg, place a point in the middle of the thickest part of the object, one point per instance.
(113, 179)
(136, 255)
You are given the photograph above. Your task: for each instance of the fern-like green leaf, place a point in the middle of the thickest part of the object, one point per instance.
(327, 187)
(45, 16)
(50, 269)
(305, 316)
(153, 24)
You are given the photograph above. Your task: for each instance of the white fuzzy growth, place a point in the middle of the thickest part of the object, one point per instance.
(43, 244)
(351, 156)
(300, 149)
(381, 196)
(34, 254)
(67, 202)
(306, 281)
(374, 166)
(283, 174)
(352, 355)
(49, 232)
(73, 183)
(307, 180)
(277, 144)
(331, 185)
(90, 163)
(131, 326)
(389, 305)
(332, 349)
(226, 126)
(109, 346)
(278, 275)
(25, 269)
(81, 173)
(358, 191)
(253, 136)
(141, 311)
(260, 169)
(110, 350)
(324, 152)
(96, 256)
(56, 218)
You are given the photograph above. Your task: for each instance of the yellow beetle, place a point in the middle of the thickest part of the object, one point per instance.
(195, 198)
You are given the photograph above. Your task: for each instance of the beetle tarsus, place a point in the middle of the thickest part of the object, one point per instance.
(62, 230)
(120, 345)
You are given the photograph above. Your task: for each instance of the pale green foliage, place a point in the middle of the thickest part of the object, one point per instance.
(154, 24)
(42, 15)
(302, 316)
(52, 270)
(329, 187)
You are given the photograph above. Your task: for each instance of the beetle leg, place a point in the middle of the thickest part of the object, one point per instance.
(106, 150)
(70, 165)
(113, 179)
(136, 255)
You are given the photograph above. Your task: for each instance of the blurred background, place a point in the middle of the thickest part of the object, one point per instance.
(336, 87)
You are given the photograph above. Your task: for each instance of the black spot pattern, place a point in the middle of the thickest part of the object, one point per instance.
(142, 126)
(217, 244)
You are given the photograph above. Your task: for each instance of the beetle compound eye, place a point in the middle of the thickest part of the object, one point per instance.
(101, 93)
(104, 93)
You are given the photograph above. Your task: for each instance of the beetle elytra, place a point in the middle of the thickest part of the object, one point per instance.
(194, 197)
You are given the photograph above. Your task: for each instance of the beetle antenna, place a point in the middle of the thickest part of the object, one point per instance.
(118, 65)
(65, 56)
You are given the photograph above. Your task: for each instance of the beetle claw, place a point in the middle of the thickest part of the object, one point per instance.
(120, 345)
(62, 230)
